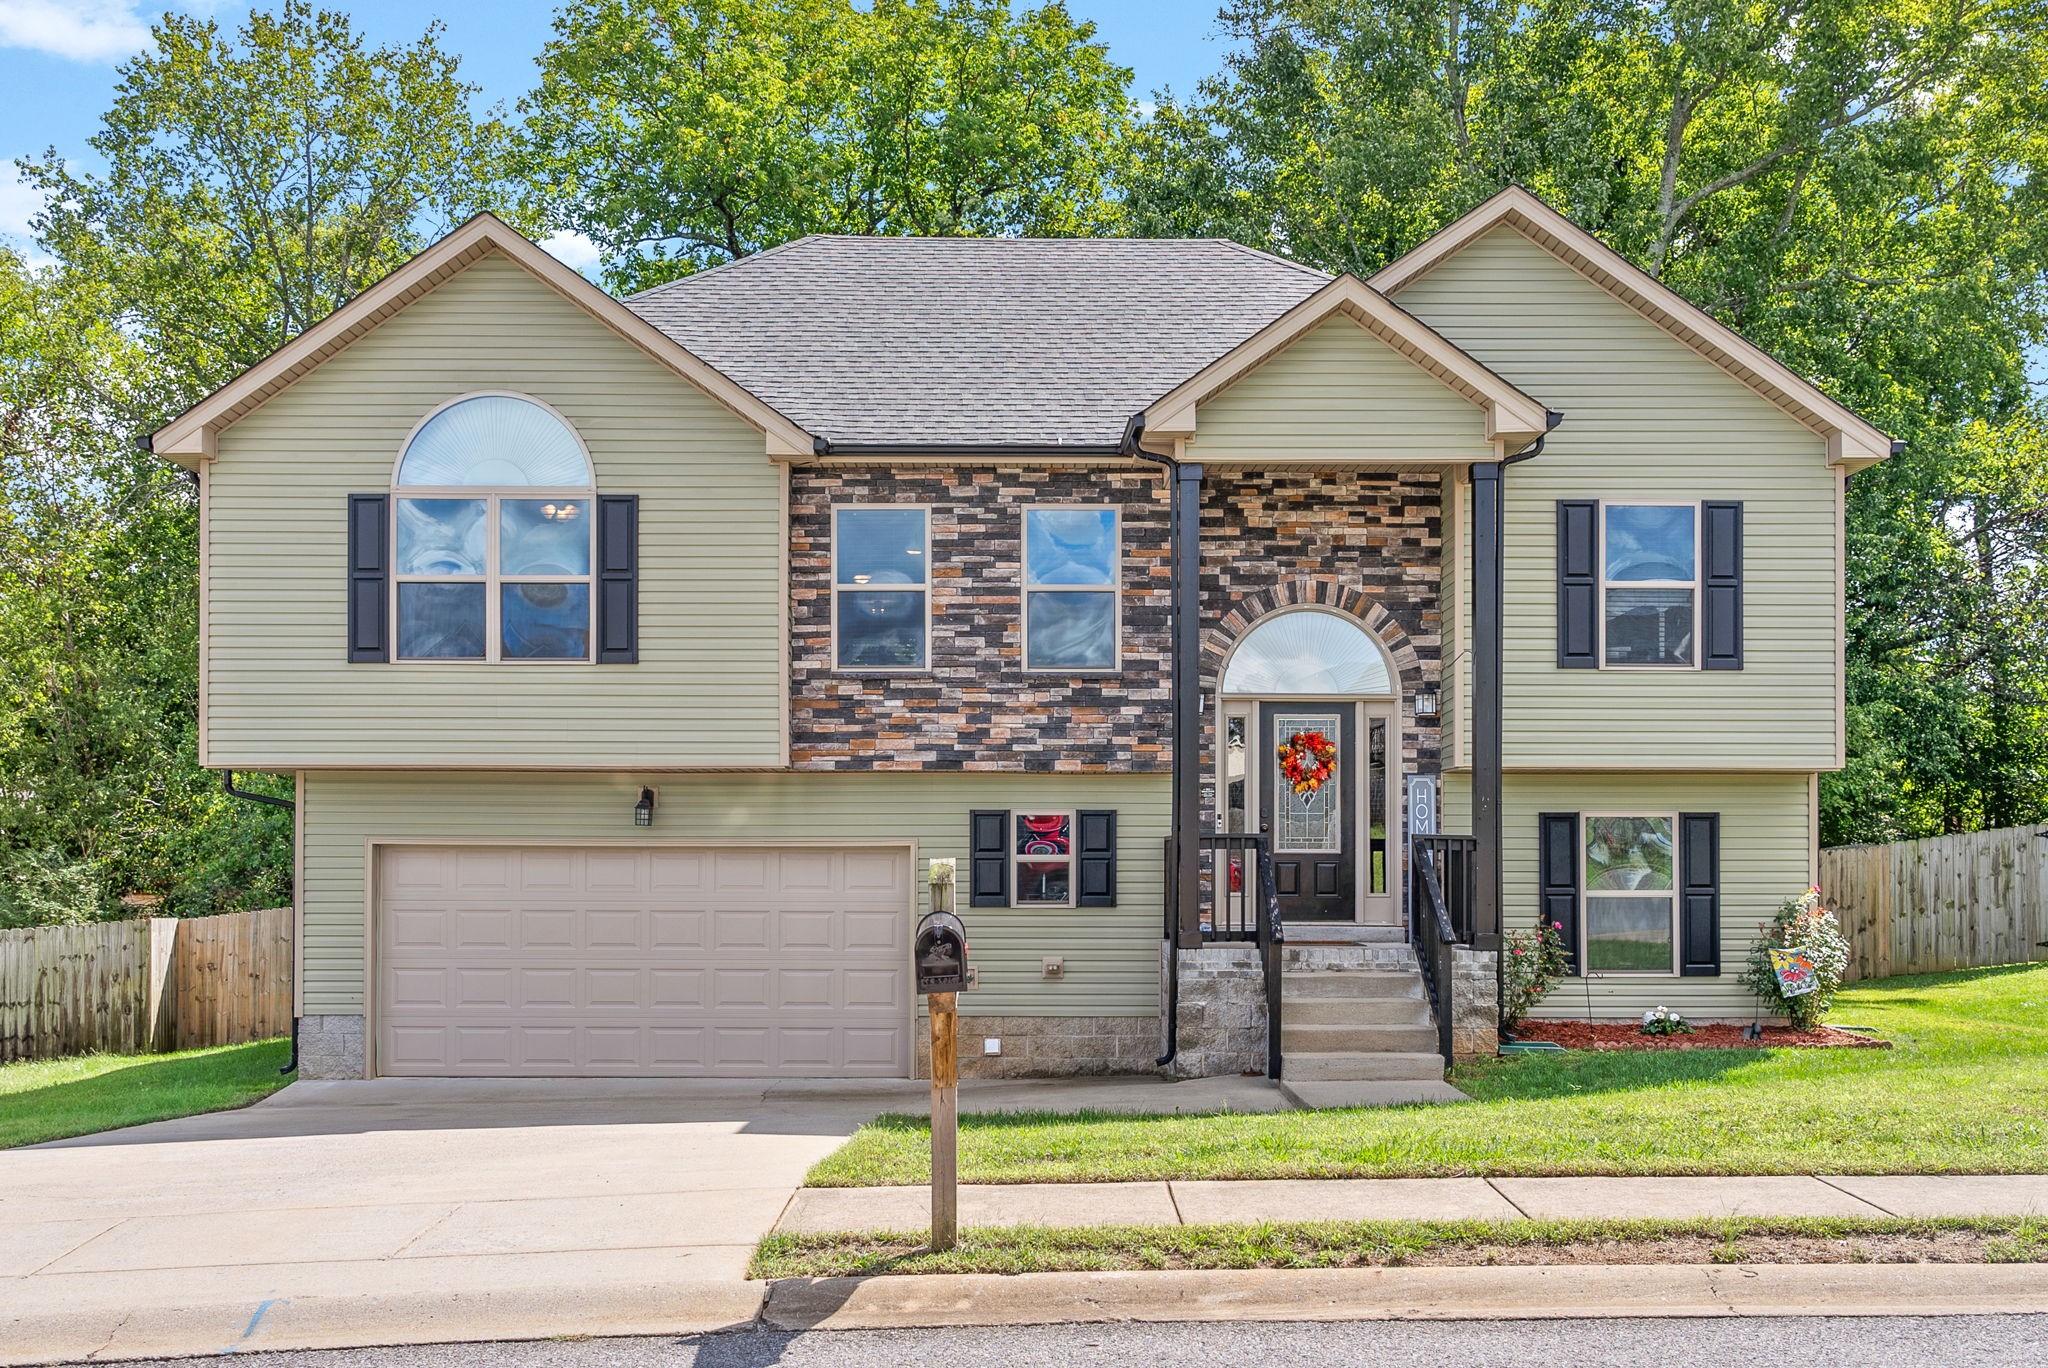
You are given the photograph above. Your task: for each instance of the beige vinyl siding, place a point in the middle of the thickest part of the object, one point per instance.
(1112, 953)
(1766, 857)
(1646, 418)
(710, 683)
(1339, 394)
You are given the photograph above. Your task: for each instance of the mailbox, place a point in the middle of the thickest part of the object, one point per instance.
(940, 954)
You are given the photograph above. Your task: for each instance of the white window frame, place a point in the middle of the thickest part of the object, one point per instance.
(1028, 587)
(1587, 892)
(491, 579)
(1693, 584)
(927, 588)
(1072, 857)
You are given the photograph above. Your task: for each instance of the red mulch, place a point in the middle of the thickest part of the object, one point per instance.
(1587, 1035)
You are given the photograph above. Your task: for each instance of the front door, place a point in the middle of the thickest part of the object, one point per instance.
(1313, 836)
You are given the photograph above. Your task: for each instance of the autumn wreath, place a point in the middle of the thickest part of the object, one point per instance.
(1307, 761)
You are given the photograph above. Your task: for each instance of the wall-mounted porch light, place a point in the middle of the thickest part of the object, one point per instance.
(643, 811)
(1426, 705)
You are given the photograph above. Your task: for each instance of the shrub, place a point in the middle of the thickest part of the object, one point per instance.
(1800, 924)
(1531, 964)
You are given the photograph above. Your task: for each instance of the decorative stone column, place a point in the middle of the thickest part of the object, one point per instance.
(1475, 1003)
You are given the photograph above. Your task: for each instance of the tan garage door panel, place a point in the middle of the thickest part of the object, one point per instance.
(540, 961)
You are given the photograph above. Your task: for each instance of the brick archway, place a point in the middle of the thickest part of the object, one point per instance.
(1218, 638)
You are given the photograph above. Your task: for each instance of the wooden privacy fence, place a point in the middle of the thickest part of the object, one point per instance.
(1947, 902)
(155, 983)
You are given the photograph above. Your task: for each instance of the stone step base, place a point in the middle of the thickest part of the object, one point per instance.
(1334, 983)
(1356, 1039)
(1362, 1011)
(1390, 958)
(1357, 1066)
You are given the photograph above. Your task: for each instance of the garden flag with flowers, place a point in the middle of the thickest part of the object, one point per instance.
(1794, 971)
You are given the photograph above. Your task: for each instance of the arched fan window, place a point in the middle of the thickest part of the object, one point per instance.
(492, 535)
(1308, 652)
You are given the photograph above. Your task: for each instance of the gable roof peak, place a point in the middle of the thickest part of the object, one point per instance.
(1852, 442)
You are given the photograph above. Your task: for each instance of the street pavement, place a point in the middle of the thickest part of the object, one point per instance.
(1886, 1342)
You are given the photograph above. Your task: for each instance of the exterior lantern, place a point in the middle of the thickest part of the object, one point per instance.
(643, 811)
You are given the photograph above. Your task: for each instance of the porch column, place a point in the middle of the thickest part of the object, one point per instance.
(1489, 585)
(1185, 887)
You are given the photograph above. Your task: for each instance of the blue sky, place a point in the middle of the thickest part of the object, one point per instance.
(58, 57)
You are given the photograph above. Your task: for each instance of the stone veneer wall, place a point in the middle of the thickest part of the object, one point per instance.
(1222, 1012)
(1475, 1003)
(330, 1047)
(1049, 1047)
(1366, 544)
(976, 708)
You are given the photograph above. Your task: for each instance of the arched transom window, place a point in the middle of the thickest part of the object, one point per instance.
(492, 535)
(1308, 652)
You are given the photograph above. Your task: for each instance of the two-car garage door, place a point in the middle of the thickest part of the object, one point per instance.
(541, 961)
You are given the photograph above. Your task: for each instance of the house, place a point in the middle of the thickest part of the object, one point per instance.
(635, 658)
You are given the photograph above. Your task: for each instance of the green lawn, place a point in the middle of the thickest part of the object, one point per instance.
(1963, 1090)
(49, 1099)
(1353, 1244)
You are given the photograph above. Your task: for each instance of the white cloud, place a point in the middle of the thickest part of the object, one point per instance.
(81, 30)
(571, 249)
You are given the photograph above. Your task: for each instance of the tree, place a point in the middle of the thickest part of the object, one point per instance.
(252, 185)
(679, 134)
(255, 183)
(1854, 184)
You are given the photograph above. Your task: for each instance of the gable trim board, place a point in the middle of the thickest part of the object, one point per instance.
(1851, 442)
(1513, 419)
(191, 439)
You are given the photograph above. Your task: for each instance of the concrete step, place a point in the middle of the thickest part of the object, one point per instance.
(1353, 1066)
(1394, 957)
(1356, 1039)
(1349, 983)
(1364, 1011)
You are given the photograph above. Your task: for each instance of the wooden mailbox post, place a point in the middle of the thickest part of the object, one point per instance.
(940, 958)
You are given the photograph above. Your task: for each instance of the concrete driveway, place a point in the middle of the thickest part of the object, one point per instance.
(404, 1211)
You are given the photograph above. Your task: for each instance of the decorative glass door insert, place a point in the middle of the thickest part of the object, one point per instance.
(1310, 823)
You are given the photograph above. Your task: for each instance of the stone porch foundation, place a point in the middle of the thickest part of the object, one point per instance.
(1048, 1047)
(1475, 1003)
(1222, 1012)
(330, 1047)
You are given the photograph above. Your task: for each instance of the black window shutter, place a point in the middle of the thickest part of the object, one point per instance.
(618, 579)
(1721, 585)
(1578, 584)
(369, 578)
(1557, 847)
(1095, 858)
(1699, 912)
(988, 844)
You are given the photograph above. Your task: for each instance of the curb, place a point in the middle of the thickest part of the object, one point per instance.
(1537, 1292)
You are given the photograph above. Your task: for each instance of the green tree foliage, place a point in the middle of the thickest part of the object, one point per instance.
(256, 181)
(679, 134)
(253, 183)
(1854, 184)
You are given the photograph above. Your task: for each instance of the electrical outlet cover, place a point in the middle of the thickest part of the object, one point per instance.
(991, 1046)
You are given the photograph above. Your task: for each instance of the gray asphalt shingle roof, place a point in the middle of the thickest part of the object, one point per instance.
(974, 340)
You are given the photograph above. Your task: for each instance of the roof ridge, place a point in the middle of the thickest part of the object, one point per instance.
(725, 266)
(1274, 257)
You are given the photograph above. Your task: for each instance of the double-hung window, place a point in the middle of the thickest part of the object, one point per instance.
(491, 535)
(1042, 874)
(881, 587)
(1072, 608)
(1631, 911)
(1649, 584)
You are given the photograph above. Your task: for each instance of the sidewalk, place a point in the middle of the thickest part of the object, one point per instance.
(817, 1210)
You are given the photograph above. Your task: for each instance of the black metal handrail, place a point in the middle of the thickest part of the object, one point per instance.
(1241, 903)
(1442, 891)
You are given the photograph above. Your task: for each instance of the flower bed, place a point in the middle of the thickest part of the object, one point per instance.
(1588, 1035)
